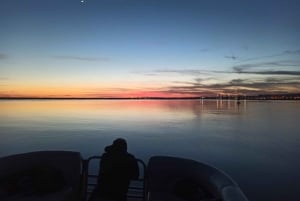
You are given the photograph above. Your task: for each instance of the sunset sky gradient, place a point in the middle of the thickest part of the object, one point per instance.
(156, 48)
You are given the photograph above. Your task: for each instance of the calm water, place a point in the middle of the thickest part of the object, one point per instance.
(257, 143)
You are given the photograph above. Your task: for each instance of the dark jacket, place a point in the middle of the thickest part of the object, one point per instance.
(117, 168)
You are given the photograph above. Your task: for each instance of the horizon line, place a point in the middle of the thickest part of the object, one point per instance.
(139, 98)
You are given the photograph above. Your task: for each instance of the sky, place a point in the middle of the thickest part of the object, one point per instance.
(148, 48)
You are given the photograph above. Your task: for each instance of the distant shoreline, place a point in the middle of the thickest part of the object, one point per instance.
(258, 97)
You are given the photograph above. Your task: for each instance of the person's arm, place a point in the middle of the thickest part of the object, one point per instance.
(102, 166)
(135, 169)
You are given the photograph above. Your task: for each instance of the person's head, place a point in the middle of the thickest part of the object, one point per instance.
(119, 145)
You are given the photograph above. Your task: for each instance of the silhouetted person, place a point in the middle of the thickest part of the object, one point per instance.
(117, 168)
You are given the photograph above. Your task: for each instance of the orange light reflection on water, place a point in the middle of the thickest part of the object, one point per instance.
(119, 110)
(96, 108)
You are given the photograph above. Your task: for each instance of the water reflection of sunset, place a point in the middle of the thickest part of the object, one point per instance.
(145, 109)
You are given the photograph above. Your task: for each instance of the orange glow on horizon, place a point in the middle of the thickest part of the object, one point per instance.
(130, 90)
(66, 92)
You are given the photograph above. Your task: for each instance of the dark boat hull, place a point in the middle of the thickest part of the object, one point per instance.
(172, 178)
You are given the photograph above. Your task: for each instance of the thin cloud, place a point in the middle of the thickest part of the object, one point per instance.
(149, 74)
(245, 86)
(260, 83)
(291, 52)
(286, 52)
(243, 68)
(79, 58)
(279, 72)
(185, 71)
(231, 57)
(204, 50)
(193, 72)
(286, 63)
(238, 81)
(281, 79)
(237, 69)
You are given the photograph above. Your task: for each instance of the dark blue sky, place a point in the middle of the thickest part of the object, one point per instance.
(134, 47)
